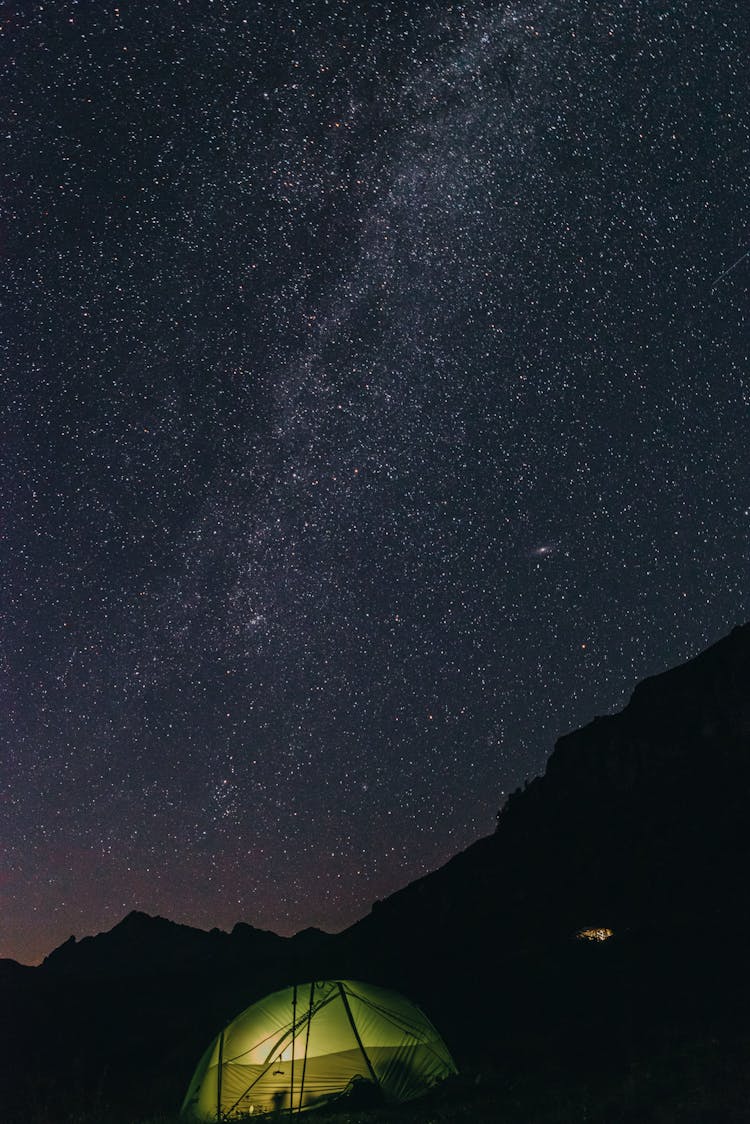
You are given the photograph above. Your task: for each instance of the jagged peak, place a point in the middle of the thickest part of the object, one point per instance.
(310, 933)
(705, 693)
(139, 917)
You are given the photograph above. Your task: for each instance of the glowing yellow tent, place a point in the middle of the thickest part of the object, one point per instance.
(304, 1045)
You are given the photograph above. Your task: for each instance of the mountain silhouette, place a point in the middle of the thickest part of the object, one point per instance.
(638, 824)
(144, 945)
(637, 828)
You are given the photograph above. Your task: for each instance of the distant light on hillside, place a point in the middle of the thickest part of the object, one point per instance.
(600, 934)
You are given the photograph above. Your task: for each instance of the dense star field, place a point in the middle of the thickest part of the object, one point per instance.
(376, 390)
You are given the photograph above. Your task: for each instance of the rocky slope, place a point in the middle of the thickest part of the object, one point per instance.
(639, 823)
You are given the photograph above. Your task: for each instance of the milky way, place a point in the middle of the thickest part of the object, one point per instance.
(377, 399)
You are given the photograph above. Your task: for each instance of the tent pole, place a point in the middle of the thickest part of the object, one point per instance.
(294, 1027)
(218, 1076)
(353, 1025)
(268, 1064)
(307, 1042)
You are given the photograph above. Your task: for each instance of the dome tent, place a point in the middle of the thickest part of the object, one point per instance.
(302, 1046)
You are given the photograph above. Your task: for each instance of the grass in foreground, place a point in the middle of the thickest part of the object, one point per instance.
(704, 1083)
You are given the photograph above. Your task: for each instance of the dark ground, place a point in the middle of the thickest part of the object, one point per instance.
(633, 1030)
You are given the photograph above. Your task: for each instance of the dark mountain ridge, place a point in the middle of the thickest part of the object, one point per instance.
(142, 945)
(639, 825)
(640, 821)
(634, 822)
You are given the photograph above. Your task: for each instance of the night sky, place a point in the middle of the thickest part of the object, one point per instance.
(376, 395)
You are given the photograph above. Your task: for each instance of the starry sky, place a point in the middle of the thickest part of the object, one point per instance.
(375, 397)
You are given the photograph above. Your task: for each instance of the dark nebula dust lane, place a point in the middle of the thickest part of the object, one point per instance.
(376, 397)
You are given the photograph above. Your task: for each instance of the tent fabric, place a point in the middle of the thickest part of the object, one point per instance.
(302, 1046)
